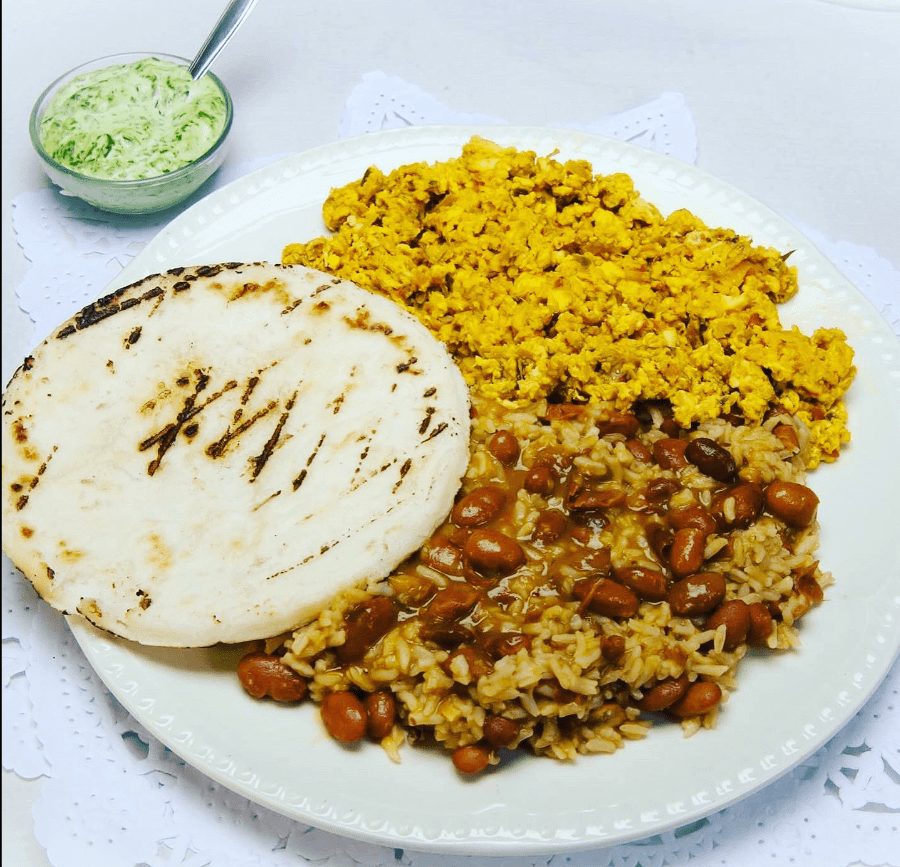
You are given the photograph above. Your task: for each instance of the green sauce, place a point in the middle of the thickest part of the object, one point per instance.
(138, 120)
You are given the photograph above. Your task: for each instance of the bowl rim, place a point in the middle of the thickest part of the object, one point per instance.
(43, 101)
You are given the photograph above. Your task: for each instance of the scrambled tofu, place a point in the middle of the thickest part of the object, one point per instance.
(548, 281)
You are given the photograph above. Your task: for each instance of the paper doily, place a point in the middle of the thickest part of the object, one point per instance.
(113, 795)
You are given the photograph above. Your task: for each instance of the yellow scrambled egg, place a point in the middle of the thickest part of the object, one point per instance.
(546, 280)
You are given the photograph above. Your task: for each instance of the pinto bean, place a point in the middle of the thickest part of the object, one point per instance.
(659, 490)
(452, 603)
(576, 485)
(478, 507)
(774, 609)
(264, 674)
(669, 453)
(447, 635)
(696, 595)
(595, 562)
(670, 427)
(594, 500)
(549, 526)
(761, 623)
(625, 423)
(660, 539)
(457, 537)
(471, 759)
(664, 693)
(381, 711)
(693, 515)
(807, 586)
(500, 731)
(711, 459)
(500, 644)
(504, 446)
(649, 584)
(735, 614)
(563, 411)
(598, 561)
(344, 716)
(606, 597)
(612, 647)
(556, 461)
(700, 698)
(787, 436)
(738, 507)
(444, 558)
(583, 532)
(686, 553)
(792, 503)
(493, 552)
(639, 450)
(411, 590)
(586, 525)
(364, 626)
(539, 480)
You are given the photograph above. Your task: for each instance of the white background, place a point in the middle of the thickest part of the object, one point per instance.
(797, 102)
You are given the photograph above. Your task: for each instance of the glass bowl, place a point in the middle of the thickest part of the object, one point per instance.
(145, 195)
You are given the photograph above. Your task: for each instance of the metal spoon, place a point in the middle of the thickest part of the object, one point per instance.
(232, 18)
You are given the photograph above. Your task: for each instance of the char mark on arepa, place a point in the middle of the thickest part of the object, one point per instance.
(312, 456)
(429, 412)
(24, 491)
(259, 461)
(217, 449)
(436, 432)
(404, 469)
(110, 304)
(105, 307)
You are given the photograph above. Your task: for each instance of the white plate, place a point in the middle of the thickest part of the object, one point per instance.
(787, 705)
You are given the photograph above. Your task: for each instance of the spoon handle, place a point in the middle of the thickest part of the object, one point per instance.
(232, 18)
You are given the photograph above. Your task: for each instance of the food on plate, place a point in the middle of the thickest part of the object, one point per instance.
(618, 568)
(635, 516)
(547, 280)
(211, 454)
(133, 120)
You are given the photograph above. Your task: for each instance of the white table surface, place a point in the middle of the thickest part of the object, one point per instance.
(797, 102)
